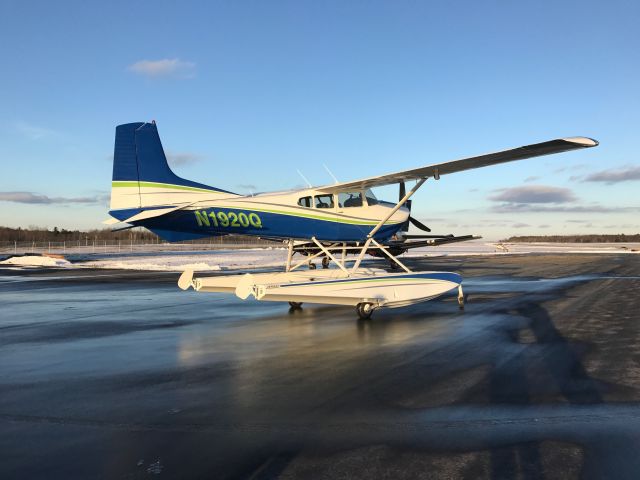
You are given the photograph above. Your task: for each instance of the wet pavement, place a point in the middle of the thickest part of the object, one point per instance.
(113, 374)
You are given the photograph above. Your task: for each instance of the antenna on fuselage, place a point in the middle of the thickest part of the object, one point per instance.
(329, 172)
(304, 178)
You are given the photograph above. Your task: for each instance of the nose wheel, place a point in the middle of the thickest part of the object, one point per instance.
(364, 310)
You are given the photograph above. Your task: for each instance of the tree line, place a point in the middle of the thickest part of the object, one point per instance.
(133, 235)
(618, 238)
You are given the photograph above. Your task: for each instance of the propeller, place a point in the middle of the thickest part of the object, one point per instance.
(419, 225)
(405, 227)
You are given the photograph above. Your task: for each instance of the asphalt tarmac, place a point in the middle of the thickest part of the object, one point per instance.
(113, 374)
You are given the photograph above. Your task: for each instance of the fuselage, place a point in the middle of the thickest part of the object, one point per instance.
(300, 214)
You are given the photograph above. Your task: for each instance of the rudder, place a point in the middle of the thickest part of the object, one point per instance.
(141, 174)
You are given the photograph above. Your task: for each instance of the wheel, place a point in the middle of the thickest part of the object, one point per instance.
(325, 262)
(312, 266)
(364, 310)
(295, 305)
(393, 265)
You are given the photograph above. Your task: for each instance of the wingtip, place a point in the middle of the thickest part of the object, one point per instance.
(583, 141)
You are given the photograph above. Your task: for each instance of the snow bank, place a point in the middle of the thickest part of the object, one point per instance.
(204, 261)
(250, 259)
(35, 261)
(156, 266)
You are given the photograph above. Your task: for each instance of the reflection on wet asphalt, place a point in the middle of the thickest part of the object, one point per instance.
(120, 374)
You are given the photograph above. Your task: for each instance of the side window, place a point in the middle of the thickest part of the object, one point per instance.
(324, 201)
(305, 202)
(350, 199)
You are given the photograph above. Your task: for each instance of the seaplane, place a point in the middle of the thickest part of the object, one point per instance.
(337, 224)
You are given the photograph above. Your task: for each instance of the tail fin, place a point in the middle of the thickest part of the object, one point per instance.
(142, 177)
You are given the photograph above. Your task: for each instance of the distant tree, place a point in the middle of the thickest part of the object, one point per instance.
(595, 238)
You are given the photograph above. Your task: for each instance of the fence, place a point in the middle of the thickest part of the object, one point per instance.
(116, 246)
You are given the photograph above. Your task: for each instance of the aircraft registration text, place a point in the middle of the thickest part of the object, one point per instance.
(227, 219)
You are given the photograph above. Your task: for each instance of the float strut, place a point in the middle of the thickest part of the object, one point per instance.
(460, 297)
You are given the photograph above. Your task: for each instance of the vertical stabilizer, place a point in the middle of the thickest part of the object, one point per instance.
(142, 177)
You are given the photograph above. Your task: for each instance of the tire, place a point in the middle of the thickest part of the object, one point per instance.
(295, 305)
(312, 266)
(364, 310)
(325, 262)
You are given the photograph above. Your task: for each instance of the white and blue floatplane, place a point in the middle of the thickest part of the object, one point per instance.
(329, 223)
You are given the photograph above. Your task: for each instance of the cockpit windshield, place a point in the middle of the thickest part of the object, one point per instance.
(371, 198)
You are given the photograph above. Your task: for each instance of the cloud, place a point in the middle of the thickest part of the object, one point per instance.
(167, 67)
(569, 168)
(183, 158)
(34, 132)
(544, 226)
(38, 199)
(531, 179)
(536, 208)
(520, 225)
(534, 194)
(624, 174)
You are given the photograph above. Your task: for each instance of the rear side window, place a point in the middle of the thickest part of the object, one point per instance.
(350, 199)
(305, 202)
(324, 201)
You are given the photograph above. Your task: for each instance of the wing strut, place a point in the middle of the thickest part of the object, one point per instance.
(401, 202)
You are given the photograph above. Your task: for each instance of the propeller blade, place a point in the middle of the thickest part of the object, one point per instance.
(419, 225)
(401, 194)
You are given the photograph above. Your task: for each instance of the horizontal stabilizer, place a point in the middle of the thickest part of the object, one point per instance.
(146, 214)
(156, 212)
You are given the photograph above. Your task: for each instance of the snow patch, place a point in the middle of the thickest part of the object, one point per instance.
(159, 267)
(35, 261)
(204, 261)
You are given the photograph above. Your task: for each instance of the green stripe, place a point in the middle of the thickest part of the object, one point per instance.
(160, 185)
(315, 217)
(129, 184)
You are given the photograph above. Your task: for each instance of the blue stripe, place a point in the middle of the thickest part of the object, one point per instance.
(274, 225)
(445, 276)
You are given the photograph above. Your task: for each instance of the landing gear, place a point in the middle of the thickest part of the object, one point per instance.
(312, 266)
(295, 305)
(460, 297)
(364, 310)
(325, 262)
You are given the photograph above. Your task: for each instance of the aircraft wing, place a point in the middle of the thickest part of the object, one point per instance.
(520, 153)
(432, 242)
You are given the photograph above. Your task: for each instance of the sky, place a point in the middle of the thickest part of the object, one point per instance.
(245, 93)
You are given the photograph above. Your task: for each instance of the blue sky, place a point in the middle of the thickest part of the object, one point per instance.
(246, 93)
